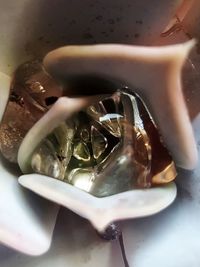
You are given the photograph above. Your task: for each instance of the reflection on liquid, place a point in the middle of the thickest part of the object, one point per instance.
(31, 94)
(110, 147)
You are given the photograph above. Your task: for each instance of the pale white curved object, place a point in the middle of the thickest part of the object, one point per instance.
(26, 221)
(101, 211)
(153, 72)
(5, 81)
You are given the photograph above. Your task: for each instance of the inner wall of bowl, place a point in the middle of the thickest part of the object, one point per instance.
(29, 29)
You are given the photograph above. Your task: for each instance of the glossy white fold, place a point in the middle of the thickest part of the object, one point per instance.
(26, 221)
(101, 211)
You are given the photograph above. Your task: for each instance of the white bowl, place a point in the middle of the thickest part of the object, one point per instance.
(29, 29)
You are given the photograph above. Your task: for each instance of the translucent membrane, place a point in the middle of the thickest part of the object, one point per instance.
(108, 148)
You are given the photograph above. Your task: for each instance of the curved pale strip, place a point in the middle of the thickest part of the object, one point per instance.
(101, 211)
(63, 109)
(153, 72)
(26, 221)
(5, 81)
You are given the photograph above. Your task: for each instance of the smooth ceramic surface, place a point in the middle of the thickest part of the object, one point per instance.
(26, 222)
(105, 210)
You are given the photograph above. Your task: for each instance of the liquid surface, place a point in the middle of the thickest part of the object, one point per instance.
(105, 149)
